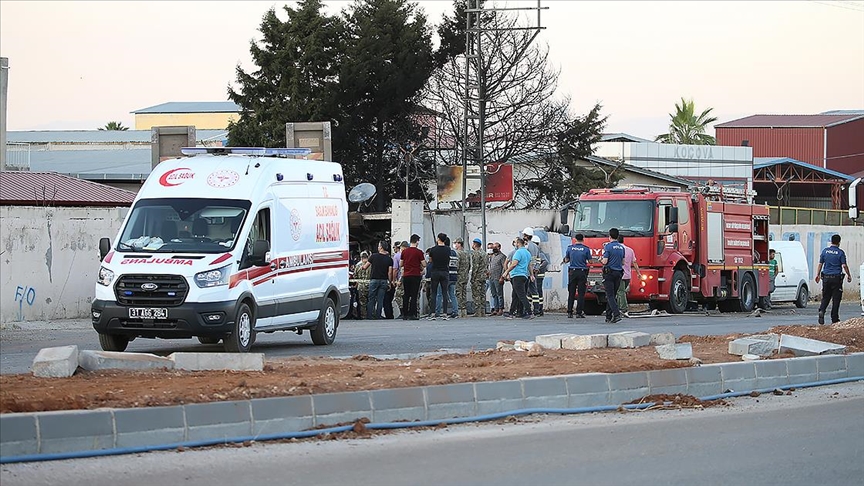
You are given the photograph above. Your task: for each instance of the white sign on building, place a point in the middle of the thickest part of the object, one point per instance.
(729, 166)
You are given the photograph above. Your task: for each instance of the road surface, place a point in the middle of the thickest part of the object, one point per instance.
(19, 342)
(815, 436)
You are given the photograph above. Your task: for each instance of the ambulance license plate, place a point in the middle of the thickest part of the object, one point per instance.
(148, 313)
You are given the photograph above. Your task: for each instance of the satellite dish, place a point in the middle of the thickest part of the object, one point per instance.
(362, 192)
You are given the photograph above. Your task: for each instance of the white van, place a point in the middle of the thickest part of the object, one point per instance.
(224, 244)
(793, 273)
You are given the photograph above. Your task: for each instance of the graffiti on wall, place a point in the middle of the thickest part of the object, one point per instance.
(24, 295)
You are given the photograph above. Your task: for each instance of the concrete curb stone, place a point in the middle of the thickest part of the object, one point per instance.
(85, 430)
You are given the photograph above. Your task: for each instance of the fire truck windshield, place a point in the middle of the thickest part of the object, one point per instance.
(631, 217)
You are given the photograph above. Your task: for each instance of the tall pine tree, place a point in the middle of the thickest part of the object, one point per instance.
(296, 77)
(388, 59)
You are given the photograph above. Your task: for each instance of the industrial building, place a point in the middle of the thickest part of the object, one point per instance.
(831, 140)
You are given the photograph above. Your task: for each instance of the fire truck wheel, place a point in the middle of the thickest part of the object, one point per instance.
(747, 296)
(679, 293)
(594, 308)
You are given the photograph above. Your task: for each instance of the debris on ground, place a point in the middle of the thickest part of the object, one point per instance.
(311, 375)
(677, 401)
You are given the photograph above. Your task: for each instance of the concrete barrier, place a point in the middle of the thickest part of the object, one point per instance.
(86, 430)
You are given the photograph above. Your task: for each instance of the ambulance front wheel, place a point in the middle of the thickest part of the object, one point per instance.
(113, 342)
(325, 332)
(243, 336)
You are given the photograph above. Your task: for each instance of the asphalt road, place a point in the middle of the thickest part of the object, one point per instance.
(19, 342)
(815, 436)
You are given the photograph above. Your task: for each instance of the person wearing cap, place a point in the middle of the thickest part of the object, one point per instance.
(479, 274)
(534, 250)
(463, 270)
(361, 277)
(497, 262)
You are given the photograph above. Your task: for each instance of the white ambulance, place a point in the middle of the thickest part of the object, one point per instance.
(224, 244)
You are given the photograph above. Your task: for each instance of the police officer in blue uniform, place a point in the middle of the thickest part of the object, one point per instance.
(832, 263)
(578, 255)
(613, 272)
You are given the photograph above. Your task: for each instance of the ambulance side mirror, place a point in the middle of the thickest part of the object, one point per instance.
(259, 253)
(564, 229)
(104, 248)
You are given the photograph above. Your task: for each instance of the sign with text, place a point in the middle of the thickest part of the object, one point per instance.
(499, 183)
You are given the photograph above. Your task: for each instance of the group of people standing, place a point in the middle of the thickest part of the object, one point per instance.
(618, 261)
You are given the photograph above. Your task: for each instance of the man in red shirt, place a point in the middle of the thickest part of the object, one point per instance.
(412, 263)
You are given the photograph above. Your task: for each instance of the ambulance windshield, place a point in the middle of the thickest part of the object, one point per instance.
(183, 225)
(631, 217)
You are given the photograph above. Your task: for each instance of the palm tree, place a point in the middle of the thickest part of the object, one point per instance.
(686, 128)
(114, 125)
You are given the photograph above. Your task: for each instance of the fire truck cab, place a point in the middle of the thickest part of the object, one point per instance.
(706, 246)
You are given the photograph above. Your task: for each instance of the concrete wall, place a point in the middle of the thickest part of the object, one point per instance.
(49, 258)
(506, 225)
(816, 237)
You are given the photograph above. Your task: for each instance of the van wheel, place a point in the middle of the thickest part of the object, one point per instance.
(747, 297)
(803, 297)
(679, 293)
(240, 341)
(208, 339)
(325, 332)
(113, 342)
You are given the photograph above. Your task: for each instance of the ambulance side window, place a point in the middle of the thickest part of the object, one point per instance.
(260, 231)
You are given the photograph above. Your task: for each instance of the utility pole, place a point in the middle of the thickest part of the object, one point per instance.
(4, 89)
(476, 96)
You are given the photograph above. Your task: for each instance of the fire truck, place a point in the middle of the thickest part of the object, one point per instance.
(705, 246)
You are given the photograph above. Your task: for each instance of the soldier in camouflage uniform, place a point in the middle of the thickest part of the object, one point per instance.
(479, 274)
(361, 277)
(400, 290)
(463, 271)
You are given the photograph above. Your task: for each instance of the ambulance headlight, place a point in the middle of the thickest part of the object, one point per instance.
(213, 278)
(105, 276)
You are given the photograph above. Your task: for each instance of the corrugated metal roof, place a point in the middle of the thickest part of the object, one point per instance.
(639, 170)
(762, 162)
(789, 121)
(132, 164)
(95, 136)
(192, 107)
(52, 189)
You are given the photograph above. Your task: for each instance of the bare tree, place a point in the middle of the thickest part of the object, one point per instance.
(523, 115)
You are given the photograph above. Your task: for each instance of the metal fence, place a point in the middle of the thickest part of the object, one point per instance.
(830, 217)
(17, 156)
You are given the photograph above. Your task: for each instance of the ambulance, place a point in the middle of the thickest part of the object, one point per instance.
(226, 243)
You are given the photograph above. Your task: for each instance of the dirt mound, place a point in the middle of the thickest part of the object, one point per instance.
(304, 376)
(663, 400)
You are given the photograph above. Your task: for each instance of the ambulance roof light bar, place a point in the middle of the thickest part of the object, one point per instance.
(254, 151)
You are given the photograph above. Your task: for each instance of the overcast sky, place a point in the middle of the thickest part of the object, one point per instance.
(77, 65)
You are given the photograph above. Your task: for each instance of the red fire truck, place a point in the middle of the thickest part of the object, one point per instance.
(706, 246)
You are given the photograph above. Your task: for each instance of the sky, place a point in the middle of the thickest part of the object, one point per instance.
(78, 65)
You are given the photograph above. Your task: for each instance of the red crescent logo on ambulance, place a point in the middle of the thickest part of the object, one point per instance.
(175, 177)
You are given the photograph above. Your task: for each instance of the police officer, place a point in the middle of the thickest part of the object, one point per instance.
(578, 255)
(613, 271)
(832, 263)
